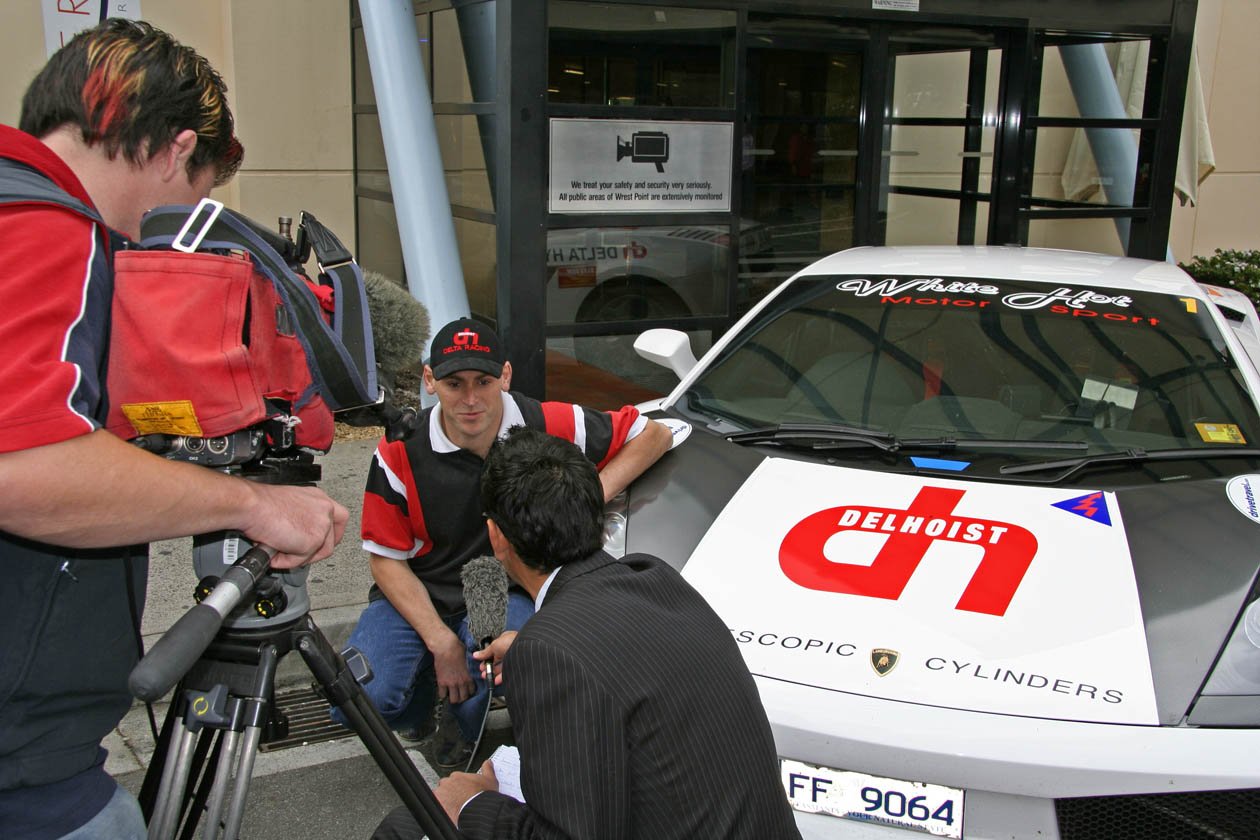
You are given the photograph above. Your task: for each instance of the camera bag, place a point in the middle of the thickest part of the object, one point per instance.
(214, 331)
(216, 328)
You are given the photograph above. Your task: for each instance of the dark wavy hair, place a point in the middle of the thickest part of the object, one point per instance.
(131, 88)
(545, 496)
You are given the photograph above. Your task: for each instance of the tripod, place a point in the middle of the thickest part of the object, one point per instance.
(223, 705)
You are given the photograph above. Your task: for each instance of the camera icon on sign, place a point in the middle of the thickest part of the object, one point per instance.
(645, 147)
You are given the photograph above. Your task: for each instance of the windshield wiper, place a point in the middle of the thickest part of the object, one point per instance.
(1064, 468)
(827, 436)
(818, 436)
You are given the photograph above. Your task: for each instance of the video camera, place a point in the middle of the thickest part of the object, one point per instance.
(645, 147)
(224, 353)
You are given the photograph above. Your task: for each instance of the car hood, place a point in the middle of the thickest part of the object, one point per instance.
(1059, 603)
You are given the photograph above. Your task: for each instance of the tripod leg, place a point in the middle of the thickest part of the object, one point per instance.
(165, 802)
(244, 772)
(223, 769)
(157, 767)
(344, 691)
(207, 748)
(175, 772)
(255, 709)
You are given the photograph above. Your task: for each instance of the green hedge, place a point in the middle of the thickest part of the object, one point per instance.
(1233, 269)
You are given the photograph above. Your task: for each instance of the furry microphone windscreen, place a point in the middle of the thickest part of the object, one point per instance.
(400, 326)
(485, 597)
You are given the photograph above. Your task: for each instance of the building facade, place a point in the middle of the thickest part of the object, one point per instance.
(619, 166)
(616, 166)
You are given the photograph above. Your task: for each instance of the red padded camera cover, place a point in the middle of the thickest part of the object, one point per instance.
(200, 344)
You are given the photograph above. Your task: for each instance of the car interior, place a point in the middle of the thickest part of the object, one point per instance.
(932, 372)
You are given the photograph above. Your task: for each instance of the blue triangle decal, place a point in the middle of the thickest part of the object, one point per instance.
(1092, 506)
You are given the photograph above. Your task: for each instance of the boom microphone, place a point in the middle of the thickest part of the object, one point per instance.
(485, 597)
(400, 326)
(400, 332)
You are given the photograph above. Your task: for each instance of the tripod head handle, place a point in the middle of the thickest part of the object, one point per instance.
(181, 645)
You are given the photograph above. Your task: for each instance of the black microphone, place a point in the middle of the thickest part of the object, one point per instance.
(485, 598)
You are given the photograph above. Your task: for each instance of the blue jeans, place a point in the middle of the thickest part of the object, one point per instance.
(120, 819)
(404, 686)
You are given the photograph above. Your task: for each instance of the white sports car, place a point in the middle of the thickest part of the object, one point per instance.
(983, 522)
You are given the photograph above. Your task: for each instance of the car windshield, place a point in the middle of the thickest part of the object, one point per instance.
(999, 360)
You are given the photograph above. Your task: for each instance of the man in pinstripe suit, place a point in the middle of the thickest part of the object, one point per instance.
(631, 705)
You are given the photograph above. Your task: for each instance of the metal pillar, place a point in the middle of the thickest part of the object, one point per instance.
(416, 177)
(1115, 150)
(477, 24)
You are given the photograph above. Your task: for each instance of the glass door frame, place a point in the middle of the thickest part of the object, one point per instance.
(852, 44)
(877, 43)
(1021, 33)
(1150, 212)
(970, 192)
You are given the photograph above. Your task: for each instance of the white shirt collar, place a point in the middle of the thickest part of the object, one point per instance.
(438, 440)
(542, 592)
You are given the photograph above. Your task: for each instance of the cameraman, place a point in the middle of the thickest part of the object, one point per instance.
(122, 119)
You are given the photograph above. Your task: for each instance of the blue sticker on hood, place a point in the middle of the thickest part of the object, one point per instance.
(939, 464)
(1092, 506)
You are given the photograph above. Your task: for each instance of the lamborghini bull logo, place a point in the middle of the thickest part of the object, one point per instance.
(884, 660)
(1008, 550)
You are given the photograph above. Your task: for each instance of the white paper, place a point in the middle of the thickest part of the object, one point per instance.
(507, 769)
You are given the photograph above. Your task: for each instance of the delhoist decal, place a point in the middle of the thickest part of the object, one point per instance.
(1008, 550)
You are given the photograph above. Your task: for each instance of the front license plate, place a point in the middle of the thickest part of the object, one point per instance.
(856, 796)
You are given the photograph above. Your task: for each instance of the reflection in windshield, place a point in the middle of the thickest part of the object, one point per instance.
(995, 359)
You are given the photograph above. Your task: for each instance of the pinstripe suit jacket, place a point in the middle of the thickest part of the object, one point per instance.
(636, 717)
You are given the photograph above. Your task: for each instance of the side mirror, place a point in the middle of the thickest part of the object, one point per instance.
(667, 348)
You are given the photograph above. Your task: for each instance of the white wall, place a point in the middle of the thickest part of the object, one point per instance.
(1228, 213)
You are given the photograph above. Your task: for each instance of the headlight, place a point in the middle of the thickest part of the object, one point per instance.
(1232, 694)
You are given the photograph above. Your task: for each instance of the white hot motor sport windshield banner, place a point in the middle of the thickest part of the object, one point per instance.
(996, 598)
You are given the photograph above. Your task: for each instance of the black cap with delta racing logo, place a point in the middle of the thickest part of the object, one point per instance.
(466, 344)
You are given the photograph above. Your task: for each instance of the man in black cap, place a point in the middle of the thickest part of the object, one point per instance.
(422, 521)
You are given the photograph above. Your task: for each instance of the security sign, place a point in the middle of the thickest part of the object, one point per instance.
(999, 598)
